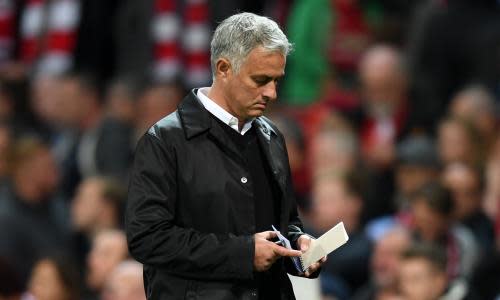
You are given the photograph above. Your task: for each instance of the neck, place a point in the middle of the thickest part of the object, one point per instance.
(216, 94)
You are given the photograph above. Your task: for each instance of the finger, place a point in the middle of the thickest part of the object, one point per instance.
(282, 251)
(305, 242)
(313, 268)
(266, 235)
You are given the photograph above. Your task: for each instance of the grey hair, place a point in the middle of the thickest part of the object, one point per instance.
(239, 34)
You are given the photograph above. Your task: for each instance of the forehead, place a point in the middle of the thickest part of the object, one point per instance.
(264, 62)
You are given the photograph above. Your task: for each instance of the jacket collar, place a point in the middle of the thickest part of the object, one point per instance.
(196, 119)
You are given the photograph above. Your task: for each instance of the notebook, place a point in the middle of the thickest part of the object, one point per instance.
(325, 244)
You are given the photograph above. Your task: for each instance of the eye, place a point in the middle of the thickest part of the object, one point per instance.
(261, 80)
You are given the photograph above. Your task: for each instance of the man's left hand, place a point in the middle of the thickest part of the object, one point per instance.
(303, 244)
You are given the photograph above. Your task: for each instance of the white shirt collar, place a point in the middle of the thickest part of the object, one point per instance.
(220, 113)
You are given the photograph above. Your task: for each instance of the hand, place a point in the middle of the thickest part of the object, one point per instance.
(267, 252)
(303, 244)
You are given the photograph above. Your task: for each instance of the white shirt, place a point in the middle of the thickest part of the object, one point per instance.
(220, 113)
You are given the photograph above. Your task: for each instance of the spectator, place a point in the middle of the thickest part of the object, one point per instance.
(125, 282)
(109, 249)
(333, 151)
(432, 209)
(451, 45)
(385, 107)
(156, 101)
(337, 197)
(385, 262)
(416, 165)
(476, 105)
(54, 278)
(104, 143)
(423, 275)
(121, 97)
(466, 186)
(459, 141)
(97, 205)
(33, 219)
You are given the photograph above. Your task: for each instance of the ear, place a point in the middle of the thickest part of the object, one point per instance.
(223, 68)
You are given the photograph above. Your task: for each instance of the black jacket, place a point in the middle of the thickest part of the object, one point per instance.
(190, 213)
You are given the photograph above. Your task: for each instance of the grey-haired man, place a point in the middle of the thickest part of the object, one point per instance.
(211, 179)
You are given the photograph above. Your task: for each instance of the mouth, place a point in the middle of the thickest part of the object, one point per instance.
(261, 105)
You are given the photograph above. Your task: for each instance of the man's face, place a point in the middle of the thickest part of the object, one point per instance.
(420, 281)
(386, 258)
(429, 224)
(249, 91)
(108, 250)
(86, 205)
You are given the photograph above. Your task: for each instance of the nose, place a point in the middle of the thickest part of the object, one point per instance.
(269, 91)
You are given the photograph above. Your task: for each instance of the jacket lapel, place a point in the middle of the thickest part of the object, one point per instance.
(196, 120)
(275, 157)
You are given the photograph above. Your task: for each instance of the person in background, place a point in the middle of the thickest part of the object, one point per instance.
(338, 197)
(423, 275)
(432, 210)
(156, 101)
(384, 115)
(385, 264)
(121, 98)
(477, 105)
(333, 151)
(417, 164)
(54, 278)
(466, 186)
(33, 217)
(459, 141)
(98, 205)
(109, 249)
(125, 282)
(381, 119)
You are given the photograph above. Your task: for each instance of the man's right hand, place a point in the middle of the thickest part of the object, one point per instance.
(267, 252)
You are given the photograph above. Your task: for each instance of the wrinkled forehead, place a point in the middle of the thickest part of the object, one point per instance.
(265, 62)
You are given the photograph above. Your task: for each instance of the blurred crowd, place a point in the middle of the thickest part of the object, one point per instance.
(389, 109)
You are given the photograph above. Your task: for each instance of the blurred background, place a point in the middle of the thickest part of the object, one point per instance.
(389, 109)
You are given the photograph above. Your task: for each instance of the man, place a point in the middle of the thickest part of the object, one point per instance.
(384, 266)
(109, 249)
(211, 178)
(423, 276)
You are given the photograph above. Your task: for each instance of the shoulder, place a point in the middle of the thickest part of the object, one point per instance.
(168, 129)
(265, 122)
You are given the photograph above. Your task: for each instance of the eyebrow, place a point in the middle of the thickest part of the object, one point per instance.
(266, 77)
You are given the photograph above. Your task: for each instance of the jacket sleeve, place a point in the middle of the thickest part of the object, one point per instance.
(156, 240)
(295, 227)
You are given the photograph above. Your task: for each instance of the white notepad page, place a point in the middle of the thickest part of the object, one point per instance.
(328, 242)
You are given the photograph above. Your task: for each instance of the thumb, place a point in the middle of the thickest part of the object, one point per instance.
(304, 243)
(267, 235)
